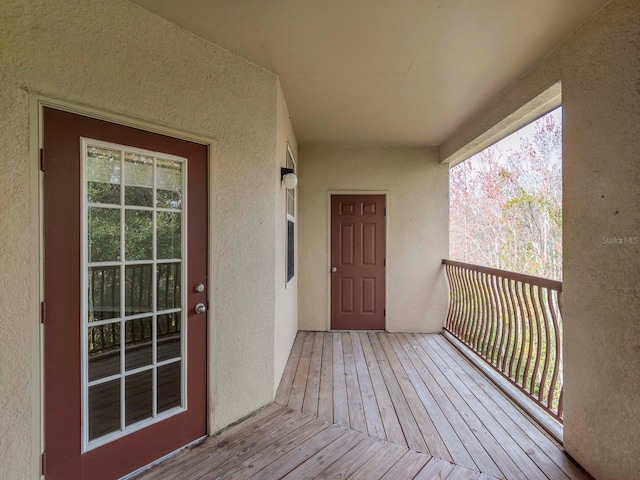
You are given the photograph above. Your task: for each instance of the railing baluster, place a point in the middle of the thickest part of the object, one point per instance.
(512, 321)
(537, 310)
(448, 269)
(496, 324)
(558, 342)
(466, 322)
(486, 338)
(481, 320)
(515, 328)
(102, 302)
(503, 324)
(530, 335)
(547, 343)
(494, 352)
(524, 332)
(454, 292)
(477, 302)
(458, 323)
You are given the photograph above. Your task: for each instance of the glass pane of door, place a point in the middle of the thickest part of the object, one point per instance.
(134, 269)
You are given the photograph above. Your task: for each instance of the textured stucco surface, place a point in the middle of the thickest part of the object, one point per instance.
(18, 421)
(114, 56)
(599, 66)
(417, 237)
(286, 315)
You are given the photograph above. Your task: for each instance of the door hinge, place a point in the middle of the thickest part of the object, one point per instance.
(42, 159)
(43, 463)
(384, 312)
(385, 212)
(43, 312)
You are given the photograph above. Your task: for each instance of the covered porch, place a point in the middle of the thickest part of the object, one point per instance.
(376, 405)
(404, 403)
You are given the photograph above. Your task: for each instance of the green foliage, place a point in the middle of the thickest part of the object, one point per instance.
(105, 220)
(506, 203)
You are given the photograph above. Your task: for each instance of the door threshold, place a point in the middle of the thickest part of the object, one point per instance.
(139, 471)
(356, 330)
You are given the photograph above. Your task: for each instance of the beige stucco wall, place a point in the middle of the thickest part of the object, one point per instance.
(417, 209)
(599, 66)
(114, 56)
(286, 314)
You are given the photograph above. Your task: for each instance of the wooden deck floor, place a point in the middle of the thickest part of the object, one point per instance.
(279, 443)
(378, 405)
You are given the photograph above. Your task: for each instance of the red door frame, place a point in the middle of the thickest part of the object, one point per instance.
(101, 462)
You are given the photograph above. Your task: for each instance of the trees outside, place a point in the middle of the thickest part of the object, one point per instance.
(117, 217)
(506, 202)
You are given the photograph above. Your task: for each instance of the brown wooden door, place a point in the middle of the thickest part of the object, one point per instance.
(125, 211)
(358, 262)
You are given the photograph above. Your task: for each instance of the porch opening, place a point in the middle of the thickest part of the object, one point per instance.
(506, 226)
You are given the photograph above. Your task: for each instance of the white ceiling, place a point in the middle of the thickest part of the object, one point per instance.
(383, 72)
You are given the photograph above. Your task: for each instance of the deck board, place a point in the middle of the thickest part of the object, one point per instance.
(459, 438)
(371, 410)
(296, 397)
(380, 464)
(286, 382)
(315, 465)
(281, 465)
(410, 386)
(340, 405)
(418, 391)
(527, 434)
(436, 469)
(513, 460)
(262, 458)
(412, 433)
(256, 440)
(483, 446)
(354, 397)
(407, 467)
(392, 428)
(312, 391)
(440, 427)
(325, 400)
(353, 460)
(365, 405)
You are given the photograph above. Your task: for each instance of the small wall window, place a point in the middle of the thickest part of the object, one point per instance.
(291, 223)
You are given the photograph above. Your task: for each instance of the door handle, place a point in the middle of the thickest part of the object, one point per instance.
(334, 269)
(200, 308)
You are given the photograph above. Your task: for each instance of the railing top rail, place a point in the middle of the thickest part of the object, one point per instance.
(518, 277)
